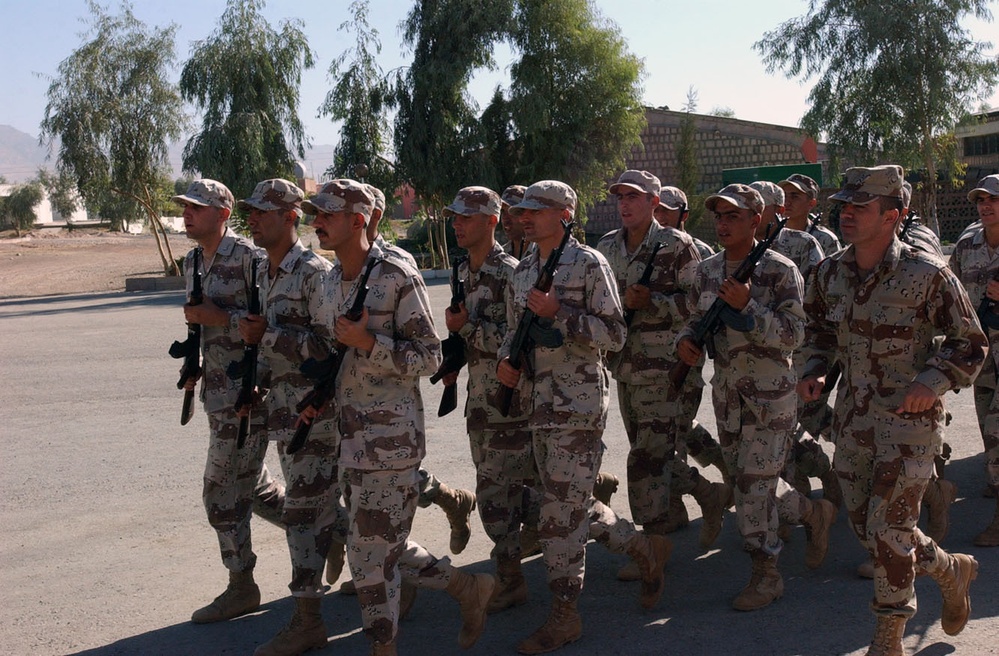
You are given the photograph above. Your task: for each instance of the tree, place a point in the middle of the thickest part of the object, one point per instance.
(244, 78)
(575, 96)
(18, 209)
(499, 153)
(724, 112)
(890, 83)
(114, 111)
(61, 190)
(686, 159)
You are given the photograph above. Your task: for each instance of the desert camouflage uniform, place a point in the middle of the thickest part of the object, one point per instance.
(382, 439)
(753, 388)
(566, 399)
(703, 249)
(517, 251)
(652, 415)
(884, 329)
(294, 333)
(801, 248)
(922, 238)
(235, 480)
(974, 264)
(827, 238)
(501, 446)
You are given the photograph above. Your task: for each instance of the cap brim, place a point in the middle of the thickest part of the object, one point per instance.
(788, 183)
(617, 185)
(853, 197)
(310, 208)
(711, 201)
(187, 199)
(662, 204)
(979, 191)
(525, 205)
(248, 204)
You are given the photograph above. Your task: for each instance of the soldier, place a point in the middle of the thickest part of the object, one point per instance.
(753, 386)
(672, 212)
(380, 418)
(236, 480)
(516, 245)
(500, 446)
(288, 332)
(801, 195)
(806, 459)
(566, 398)
(912, 231)
(652, 416)
(975, 263)
(904, 331)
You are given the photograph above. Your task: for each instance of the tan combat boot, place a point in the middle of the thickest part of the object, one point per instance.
(820, 518)
(334, 561)
(937, 498)
(457, 505)
(305, 631)
(676, 514)
(888, 634)
(530, 541)
(604, 487)
(765, 585)
(831, 490)
(472, 592)
(562, 627)
(955, 586)
(713, 498)
(651, 553)
(511, 586)
(383, 648)
(990, 536)
(240, 597)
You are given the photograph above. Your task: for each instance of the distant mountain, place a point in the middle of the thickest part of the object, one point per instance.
(21, 156)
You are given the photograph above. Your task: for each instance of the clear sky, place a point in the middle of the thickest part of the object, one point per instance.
(706, 44)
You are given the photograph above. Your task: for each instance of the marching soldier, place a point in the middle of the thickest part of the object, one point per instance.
(801, 195)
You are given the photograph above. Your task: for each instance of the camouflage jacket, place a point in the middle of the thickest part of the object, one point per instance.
(757, 363)
(569, 388)
(827, 238)
(649, 351)
(391, 250)
(922, 238)
(909, 321)
(380, 409)
(703, 249)
(523, 248)
(974, 265)
(801, 248)
(294, 334)
(485, 299)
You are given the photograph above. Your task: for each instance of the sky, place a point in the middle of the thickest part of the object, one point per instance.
(704, 44)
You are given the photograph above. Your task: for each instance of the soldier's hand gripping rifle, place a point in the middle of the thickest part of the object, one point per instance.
(531, 331)
(324, 372)
(722, 314)
(650, 266)
(245, 370)
(452, 348)
(987, 314)
(190, 348)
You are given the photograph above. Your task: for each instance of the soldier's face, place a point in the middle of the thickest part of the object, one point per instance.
(735, 227)
(635, 208)
(201, 221)
(865, 224)
(542, 225)
(797, 203)
(267, 227)
(511, 226)
(334, 229)
(668, 218)
(473, 230)
(988, 210)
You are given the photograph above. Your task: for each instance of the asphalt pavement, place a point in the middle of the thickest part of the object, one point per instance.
(105, 548)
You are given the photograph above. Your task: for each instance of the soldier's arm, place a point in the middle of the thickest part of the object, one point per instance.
(414, 348)
(782, 325)
(677, 279)
(818, 350)
(485, 332)
(962, 353)
(600, 322)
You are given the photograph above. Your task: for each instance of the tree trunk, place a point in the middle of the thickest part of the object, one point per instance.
(170, 267)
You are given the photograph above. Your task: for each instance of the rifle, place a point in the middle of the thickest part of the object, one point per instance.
(987, 309)
(245, 370)
(190, 348)
(650, 266)
(721, 313)
(909, 220)
(325, 371)
(530, 331)
(452, 348)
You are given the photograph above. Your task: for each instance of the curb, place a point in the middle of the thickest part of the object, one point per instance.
(154, 284)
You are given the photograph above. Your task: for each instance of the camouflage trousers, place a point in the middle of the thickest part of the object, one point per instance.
(312, 513)
(235, 482)
(807, 457)
(691, 438)
(429, 486)
(504, 467)
(987, 408)
(568, 462)
(650, 420)
(882, 487)
(381, 505)
(755, 439)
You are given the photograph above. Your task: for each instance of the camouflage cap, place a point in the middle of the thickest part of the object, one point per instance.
(512, 195)
(742, 196)
(378, 195)
(673, 198)
(274, 194)
(206, 193)
(770, 192)
(343, 195)
(863, 185)
(547, 194)
(642, 181)
(906, 193)
(987, 186)
(801, 182)
(475, 200)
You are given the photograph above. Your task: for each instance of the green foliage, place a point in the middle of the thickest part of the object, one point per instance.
(18, 209)
(114, 110)
(724, 112)
(61, 190)
(576, 96)
(889, 83)
(358, 98)
(686, 160)
(499, 153)
(244, 78)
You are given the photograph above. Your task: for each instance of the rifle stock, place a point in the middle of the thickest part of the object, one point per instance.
(325, 371)
(521, 344)
(452, 348)
(245, 370)
(190, 348)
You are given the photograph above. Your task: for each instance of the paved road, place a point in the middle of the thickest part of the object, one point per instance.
(105, 548)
